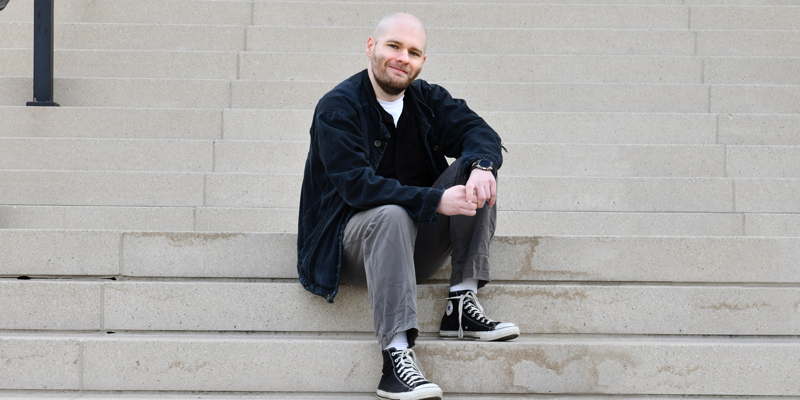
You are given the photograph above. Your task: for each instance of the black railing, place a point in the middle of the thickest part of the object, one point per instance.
(42, 54)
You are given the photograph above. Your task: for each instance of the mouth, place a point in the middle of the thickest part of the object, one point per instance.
(398, 71)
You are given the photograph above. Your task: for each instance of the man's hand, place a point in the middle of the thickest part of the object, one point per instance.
(484, 186)
(456, 202)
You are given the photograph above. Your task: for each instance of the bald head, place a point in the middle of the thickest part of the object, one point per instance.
(399, 22)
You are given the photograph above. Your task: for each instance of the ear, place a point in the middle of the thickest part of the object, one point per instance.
(424, 58)
(370, 47)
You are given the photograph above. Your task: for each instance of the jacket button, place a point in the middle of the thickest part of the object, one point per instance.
(435, 149)
(377, 143)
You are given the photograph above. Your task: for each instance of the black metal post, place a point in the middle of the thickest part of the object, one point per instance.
(42, 54)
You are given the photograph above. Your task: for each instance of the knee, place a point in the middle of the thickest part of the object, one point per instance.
(393, 214)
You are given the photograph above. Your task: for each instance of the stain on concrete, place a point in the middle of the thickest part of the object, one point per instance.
(185, 239)
(588, 360)
(734, 307)
(189, 368)
(674, 371)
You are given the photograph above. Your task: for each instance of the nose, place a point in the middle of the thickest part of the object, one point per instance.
(403, 56)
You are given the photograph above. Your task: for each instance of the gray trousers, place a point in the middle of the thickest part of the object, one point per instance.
(389, 253)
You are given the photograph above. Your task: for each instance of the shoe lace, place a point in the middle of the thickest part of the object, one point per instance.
(469, 303)
(406, 366)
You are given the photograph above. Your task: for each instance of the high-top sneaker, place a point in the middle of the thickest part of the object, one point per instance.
(464, 318)
(402, 378)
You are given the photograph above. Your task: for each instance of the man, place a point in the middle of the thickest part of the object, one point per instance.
(380, 206)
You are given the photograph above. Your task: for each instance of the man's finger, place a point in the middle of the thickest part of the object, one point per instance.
(468, 191)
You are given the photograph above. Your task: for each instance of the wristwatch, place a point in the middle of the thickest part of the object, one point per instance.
(485, 165)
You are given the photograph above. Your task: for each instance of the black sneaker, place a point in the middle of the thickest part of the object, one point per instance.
(465, 319)
(402, 378)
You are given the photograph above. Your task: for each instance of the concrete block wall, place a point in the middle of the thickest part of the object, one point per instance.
(648, 242)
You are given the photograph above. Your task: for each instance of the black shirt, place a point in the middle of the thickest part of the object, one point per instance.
(405, 157)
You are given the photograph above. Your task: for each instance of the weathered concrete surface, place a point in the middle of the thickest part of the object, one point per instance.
(39, 363)
(535, 308)
(50, 305)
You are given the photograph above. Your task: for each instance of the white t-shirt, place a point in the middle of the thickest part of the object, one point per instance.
(394, 108)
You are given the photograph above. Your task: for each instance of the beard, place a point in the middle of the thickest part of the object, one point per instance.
(390, 84)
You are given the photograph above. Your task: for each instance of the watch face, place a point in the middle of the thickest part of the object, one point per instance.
(485, 164)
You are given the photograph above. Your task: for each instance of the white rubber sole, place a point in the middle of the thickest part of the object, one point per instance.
(504, 331)
(430, 391)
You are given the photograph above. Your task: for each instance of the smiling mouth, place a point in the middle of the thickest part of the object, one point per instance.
(398, 70)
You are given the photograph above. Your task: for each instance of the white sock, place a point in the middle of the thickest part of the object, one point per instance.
(399, 341)
(467, 284)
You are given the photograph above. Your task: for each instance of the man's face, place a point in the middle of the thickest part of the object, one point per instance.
(396, 58)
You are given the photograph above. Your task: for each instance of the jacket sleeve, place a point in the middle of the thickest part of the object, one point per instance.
(344, 152)
(462, 132)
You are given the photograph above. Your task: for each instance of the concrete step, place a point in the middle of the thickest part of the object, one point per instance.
(127, 64)
(64, 253)
(439, 68)
(749, 17)
(518, 193)
(775, 43)
(120, 92)
(518, 97)
(538, 365)
(102, 188)
(115, 218)
(123, 123)
(544, 159)
(536, 308)
(228, 12)
(284, 220)
(554, 127)
(438, 15)
(107, 154)
(130, 36)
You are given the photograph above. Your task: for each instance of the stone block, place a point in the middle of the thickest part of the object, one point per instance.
(670, 42)
(97, 218)
(763, 161)
(129, 123)
(603, 128)
(139, 93)
(253, 190)
(147, 36)
(209, 254)
(536, 309)
(50, 305)
(276, 220)
(759, 129)
(757, 99)
(524, 223)
(772, 225)
(444, 15)
(613, 160)
(616, 194)
(748, 43)
(254, 364)
(749, 17)
(260, 156)
(767, 195)
(752, 70)
(39, 363)
(487, 68)
(127, 64)
(272, 124)
(144, 11)
(625, 367)
(106, 155)
(646, 259)
(641, 367)
(84, 188)
(59, 253)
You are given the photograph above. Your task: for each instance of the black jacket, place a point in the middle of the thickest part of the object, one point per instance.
(348, 138)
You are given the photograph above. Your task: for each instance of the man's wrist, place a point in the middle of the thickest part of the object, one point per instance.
(484, 165)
